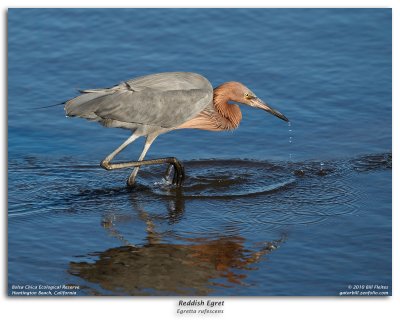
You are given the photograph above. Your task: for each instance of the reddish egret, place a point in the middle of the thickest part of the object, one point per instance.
(158, 103)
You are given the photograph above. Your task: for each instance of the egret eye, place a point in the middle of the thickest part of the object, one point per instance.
(247, 95)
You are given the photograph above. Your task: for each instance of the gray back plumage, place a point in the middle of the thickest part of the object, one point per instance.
(163, 100)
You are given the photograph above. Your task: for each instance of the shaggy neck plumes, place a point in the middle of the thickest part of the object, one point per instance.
(221, 115)
(230, 112)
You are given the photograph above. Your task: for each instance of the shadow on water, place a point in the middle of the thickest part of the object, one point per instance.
(210, 233)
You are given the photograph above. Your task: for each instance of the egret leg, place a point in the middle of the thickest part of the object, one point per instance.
(106, 162)
(149, 140)
(179, 173)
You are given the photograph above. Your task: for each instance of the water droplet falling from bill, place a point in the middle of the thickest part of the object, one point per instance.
(290, 140)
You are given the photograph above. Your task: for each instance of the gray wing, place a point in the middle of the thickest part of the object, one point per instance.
(165, 100)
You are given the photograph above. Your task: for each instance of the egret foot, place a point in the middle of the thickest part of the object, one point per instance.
(179, 171)
(105, 165)
(168, 172)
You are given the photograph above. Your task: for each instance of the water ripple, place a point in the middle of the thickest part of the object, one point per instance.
(230, 192)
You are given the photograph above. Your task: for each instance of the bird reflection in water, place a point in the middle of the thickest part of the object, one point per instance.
(192, 266)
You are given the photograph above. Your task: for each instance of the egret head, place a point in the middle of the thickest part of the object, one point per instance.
(240, 93)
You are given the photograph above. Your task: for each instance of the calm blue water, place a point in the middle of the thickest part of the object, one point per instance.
(266, 210)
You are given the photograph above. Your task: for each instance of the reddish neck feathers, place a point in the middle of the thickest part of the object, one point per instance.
(231, 112)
